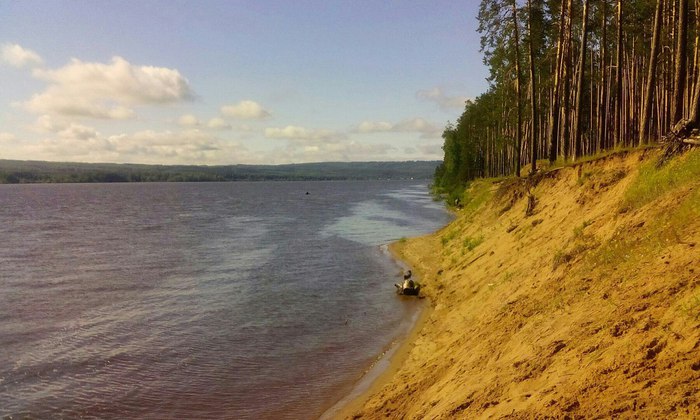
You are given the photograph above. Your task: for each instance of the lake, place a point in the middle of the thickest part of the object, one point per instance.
(213, 300)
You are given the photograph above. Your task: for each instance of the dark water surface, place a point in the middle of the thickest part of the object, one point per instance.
(223, 300)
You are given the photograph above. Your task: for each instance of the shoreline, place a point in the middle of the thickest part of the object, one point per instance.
(383, 370)
(380, 373)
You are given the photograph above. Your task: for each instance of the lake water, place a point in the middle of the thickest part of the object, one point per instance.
(218, 300)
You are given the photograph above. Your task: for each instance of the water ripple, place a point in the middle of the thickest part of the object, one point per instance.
(243, 300)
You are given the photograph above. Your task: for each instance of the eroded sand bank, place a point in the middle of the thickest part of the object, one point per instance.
(578, 307)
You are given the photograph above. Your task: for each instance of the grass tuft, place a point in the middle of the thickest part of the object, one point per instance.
(691, 308)
(578, 230)
(472, 242)
(652, 183)
(478, 193)
(449, 236)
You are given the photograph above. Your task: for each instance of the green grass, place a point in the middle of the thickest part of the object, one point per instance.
(560, 257)
(688, 211)
(578, 230)
(508, 277)
(691, 307)
(653, 182)
(609, 152)
(562, 163)
(472, 242)
(667, 228)
(581, 243)
(564, 256)
(617, 250)
(478, 193)
(447, 237)
(585, 176)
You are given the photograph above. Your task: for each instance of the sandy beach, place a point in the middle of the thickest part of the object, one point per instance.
(582, 305)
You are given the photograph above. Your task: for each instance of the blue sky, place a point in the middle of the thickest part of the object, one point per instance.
(225, 82)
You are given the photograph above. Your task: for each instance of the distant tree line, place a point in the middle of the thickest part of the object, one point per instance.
(573, 78)
(13, 172)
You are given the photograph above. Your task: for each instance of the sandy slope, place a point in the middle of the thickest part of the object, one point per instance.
(580, 309)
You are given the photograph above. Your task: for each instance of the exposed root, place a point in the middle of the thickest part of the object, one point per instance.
(677, 140)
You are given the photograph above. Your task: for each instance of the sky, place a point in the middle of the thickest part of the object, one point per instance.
(228, 82)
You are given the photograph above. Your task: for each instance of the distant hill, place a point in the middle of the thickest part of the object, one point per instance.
(17, 171)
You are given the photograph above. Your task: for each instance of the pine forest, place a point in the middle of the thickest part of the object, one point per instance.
(570, 79)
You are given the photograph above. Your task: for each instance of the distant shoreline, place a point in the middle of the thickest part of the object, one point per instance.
(39, 172)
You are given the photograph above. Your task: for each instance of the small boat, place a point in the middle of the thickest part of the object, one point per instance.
(408, 288)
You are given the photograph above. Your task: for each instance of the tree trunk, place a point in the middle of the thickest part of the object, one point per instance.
(518, 95)
(603, 107)
(533, 88)
(653, 58)
(680, 70)
(618, 78)
(695, 105)
(579, 83)
(554, 108)
(567, 71)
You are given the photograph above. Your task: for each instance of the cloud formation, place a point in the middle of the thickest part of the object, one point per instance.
(245, 110)
(374, 127)
(315, 151)
(78, 142)
(17, 56)
(188, 120)
(217, 123)
(106, 91)
(413, 125)
(432, 150)
(117, 89)
(7, 137)
(293, 132)
(443, 101)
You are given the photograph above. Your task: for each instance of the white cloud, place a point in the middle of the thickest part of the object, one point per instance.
(413, 125)
(293, 132)
(374, 127)
(107, 91)
(78, 132)
(163, 143)
(343, 151)
(443, 101)
(315, 145)
(17, 56)
(433, 150)
(418, 125)
(48, 124)
(218, 124)
(188, 120)
(245, 110)
(7, 137)
(71, 141)
(63, 128)
(75, 142)
(187, 147)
